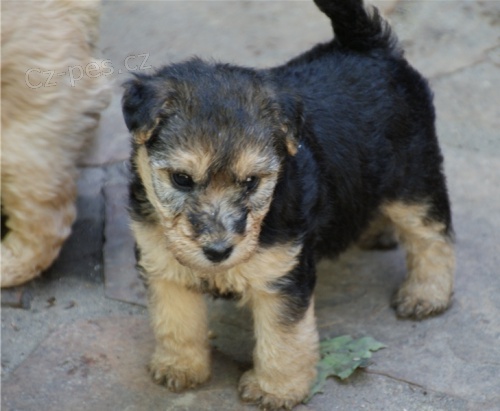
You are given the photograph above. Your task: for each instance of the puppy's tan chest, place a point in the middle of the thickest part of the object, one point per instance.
(258, 273)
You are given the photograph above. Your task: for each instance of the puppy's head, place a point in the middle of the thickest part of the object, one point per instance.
(209, 144)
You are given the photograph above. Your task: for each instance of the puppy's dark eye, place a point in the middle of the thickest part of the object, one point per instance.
(182, 181)
(251, 183)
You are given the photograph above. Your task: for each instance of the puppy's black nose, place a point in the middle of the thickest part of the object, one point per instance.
(217, 252)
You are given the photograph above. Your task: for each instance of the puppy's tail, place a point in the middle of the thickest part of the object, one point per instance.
(357, 28)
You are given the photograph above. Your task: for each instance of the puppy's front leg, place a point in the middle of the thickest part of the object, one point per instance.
(181, 358)
(285, 356)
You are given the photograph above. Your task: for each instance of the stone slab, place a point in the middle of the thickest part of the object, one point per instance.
(101, 365)
(111, 142)
(17, 297)
(468, 101)
(122, 281)
(442, 37)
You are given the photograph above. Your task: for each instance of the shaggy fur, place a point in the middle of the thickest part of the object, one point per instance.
(243, 179)
(45, 127)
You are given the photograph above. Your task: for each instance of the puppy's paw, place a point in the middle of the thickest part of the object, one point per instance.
(420, 300)
(251, 391)
(176, 377)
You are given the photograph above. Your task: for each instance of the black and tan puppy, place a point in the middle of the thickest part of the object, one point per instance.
(243, 179)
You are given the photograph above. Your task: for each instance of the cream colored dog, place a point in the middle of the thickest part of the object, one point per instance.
(52, 94)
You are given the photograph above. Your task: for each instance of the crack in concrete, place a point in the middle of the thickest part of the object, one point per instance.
(485, 58)
(412, 384)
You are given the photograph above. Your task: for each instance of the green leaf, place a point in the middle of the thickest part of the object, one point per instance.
(334, 344)
(340, 357)
(364, 346)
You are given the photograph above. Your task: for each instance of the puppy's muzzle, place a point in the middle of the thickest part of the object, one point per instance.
(218, 251)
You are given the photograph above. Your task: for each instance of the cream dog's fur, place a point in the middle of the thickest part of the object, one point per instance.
(47, 120)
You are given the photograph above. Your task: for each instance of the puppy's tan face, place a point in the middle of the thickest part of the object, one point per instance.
(211, 212)
(209, 142)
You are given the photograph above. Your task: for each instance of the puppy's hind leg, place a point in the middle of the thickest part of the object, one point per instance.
(430, 259)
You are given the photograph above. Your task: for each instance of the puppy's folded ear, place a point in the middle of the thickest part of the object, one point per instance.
(292, 121)
(142, 107)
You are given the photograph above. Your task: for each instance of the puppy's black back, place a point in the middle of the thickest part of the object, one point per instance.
(368, 121)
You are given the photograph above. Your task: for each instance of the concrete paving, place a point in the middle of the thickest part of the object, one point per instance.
(78, 338)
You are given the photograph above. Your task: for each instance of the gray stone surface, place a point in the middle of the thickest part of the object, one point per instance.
(100, 365)
(442, 37)
(77, 349)
(467, 101)
(122, 278)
